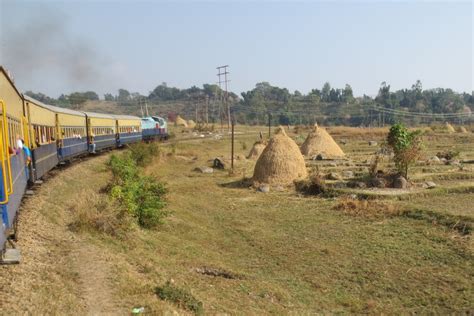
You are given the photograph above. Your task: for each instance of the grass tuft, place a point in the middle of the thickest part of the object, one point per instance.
(181, 297)
(96, 213)
(367, 208)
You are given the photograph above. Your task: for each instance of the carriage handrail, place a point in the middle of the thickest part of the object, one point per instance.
(7, 143)
(2, 154)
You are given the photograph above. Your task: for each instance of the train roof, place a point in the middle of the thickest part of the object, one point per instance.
(99, 115)
(6, 74)
(53, 107)
(125, 117)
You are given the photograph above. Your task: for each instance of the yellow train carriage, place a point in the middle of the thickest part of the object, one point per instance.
(71, 132)
(101, 131)
(44, 136)
(128, 129)
(13, 158)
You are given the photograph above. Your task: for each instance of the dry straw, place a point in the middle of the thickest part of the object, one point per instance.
(191, 124)
(180, 122)
(320, 142)
(281, 161)
(463, 130)
(256, 150)
(450, 128)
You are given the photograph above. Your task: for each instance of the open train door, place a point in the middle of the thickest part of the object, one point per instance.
(8, 255)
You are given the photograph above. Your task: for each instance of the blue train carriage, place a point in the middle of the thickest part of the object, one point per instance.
(129, 129)
(13, 158)
(101, 131)
(44, 130)
(72, 136)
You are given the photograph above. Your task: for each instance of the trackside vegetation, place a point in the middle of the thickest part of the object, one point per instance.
(141, 196)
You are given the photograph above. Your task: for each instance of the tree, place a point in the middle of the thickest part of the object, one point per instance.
(123, 95)
(347, 94)
(109, 97)
(325, 92)
(406, 146)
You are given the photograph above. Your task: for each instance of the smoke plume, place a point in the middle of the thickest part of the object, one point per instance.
(44, 44)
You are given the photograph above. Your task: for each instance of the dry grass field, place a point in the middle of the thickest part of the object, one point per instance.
(280, 252)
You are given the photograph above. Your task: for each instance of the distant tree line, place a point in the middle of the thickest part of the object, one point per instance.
(328, 105)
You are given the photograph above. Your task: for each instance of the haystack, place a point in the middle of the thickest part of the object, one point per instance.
(281, 161)
(320, 142)
(463, 130)
(256, 150)
(191, 124)
(180, 122)
(450, 128)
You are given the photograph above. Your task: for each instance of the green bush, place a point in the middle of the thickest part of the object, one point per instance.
(141, 196)
(406, 146)
(143, 153)
(180, 297)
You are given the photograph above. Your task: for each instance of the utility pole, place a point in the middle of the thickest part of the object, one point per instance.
(207, 109)
(232, 147)
(269, 125)
(222, 71)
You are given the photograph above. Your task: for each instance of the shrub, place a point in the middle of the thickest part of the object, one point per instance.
(315, 185)
(143, 154)
(406, 146)
(123, 169)
(180, 297)
(142, 197)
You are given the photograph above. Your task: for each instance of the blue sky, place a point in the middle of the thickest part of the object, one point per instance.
(59, 47)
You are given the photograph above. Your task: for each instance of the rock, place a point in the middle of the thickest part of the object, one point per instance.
(332, 164)
(334, 176)
(434, 160)
(343, 141)
(429, 185)
(204, 170)
(218, 163)
(372, 143)
(443, 160)
(400, 183)
(348, 174)
(264, 188)
(378, 183)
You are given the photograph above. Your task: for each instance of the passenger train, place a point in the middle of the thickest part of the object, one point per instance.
(36, 137)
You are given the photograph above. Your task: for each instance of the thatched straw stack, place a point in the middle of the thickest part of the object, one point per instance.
(463, 130)
(450, 128)
(281, 161)
(320, 142)
(180, 122)
(191, 124)
(256, 150)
